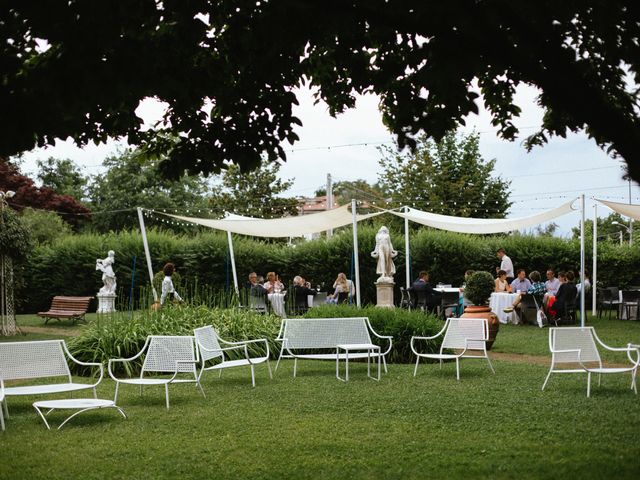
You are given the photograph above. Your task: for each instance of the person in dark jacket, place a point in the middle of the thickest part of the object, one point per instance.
(426, 296)
(301, 291)
(566, 295)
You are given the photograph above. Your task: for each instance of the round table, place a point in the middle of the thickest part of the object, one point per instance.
(79, 404)
(277, 303)
(501, 300)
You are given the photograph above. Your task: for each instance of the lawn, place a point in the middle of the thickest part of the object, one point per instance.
(313, 426)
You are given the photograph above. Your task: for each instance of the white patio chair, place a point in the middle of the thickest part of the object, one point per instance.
(3, 405)
(169, 355)
(209, 348)
(466, 335)
(576, 347)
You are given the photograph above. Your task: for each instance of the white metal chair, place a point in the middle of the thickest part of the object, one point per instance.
(209, 348)
(169, 355)
(576, 347)
(3, 405)
(466, 335)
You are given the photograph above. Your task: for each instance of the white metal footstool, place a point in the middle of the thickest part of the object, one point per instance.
(79, 404)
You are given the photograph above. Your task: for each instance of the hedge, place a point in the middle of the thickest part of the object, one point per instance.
(67, 266)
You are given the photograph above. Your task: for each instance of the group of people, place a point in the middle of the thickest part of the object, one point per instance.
(554, 296)
(342, 288)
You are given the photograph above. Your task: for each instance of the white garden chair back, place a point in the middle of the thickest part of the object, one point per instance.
(2, 403)
(210, 348)
(299, 334)
(466, 336)
(576, 349)
(37, 360)
(164, 354)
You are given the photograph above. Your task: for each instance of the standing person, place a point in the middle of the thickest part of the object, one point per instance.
(302, 290)
(505, 264)
(167, 285)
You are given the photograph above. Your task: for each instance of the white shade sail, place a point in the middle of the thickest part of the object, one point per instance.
(482, 225)
(280, 227)
(632, 211)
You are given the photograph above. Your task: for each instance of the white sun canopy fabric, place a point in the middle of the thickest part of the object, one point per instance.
(482, 225)
(632, 211)
(280, 227)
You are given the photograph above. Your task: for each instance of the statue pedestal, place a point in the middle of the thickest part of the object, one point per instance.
(106, 302)
(384, 294)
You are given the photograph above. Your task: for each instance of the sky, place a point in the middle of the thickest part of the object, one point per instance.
(346, 148)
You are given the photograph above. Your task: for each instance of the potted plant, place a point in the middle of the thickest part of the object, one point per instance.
(478, 290)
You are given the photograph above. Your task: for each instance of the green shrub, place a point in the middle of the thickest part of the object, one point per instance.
(399, 323)
(119, 336)
(479, 287)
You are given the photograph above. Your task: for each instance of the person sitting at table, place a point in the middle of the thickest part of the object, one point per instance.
(273, 283)
(253, 286)
(536, 289)
(501, 283)
(566, 295)
(427, 297)
(302, 290)
(521, 284)
(342, 289)
(552, 284)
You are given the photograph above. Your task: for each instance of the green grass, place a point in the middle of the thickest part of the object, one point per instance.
(431, 426)
(498, 426)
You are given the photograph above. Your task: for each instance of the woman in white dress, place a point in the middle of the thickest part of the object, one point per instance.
(168, 289)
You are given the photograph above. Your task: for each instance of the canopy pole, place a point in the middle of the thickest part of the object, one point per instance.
(406, 249)
(582, 289)
(143, 230)
(594, 278)
(233, 263)
(355, 251)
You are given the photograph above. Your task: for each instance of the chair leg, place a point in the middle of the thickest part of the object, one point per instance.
(269, 368)
(295, 366)
(588, 384)
(115, 397)
(253, 377)
(95, 394)
(490, 365)
(599, 378)
(415, 370)
(201, 389)
(1, 420)
(384, 363)
(457, 369)
(166, 393)
(547, 379)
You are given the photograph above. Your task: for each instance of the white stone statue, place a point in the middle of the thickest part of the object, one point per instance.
(108, 276)
(385, 254)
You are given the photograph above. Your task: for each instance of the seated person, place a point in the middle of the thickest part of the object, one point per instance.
(253, 286)
(536, 289)
(552, 284)
(301, 292)
(425, 295)
(501, 284)
(273, 283)
(343, 286)
(521, 284)
(566, 294)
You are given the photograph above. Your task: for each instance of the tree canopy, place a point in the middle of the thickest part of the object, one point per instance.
(227, 70)
(449, 177)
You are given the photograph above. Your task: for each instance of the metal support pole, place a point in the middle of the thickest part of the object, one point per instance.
(329, 205)
(355, 251)
(233, 263)
(147, 255)
(406, 249)
(582, 289)
(594, 277)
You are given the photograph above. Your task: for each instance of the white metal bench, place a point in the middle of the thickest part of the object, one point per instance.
(575, 347)
(40, 359)
(2, 403)
(300, 334)
(168, 355)
(465, 336)
(209, 348)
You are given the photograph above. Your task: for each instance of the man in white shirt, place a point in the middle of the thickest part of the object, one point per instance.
(552, 284)
(505, 264)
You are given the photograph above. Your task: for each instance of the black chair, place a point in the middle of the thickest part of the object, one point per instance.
(405, 300)
(528, 309)
(608, 301)
(257, 302)
(568, 316)
(449, 300)
(630, 300)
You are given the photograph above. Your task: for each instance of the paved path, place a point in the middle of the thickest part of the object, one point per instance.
(64, 332)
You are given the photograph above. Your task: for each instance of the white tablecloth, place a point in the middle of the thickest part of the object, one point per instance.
(501, 300)
(277, 303)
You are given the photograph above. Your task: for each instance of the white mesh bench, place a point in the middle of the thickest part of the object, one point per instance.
(323, 338)
(37, 360)
(2, 403)
(465, 337)
(575, 348)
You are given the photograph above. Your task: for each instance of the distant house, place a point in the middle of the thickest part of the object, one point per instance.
(314, 204)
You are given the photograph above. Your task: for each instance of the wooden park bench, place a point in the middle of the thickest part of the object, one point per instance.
(67, 307)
